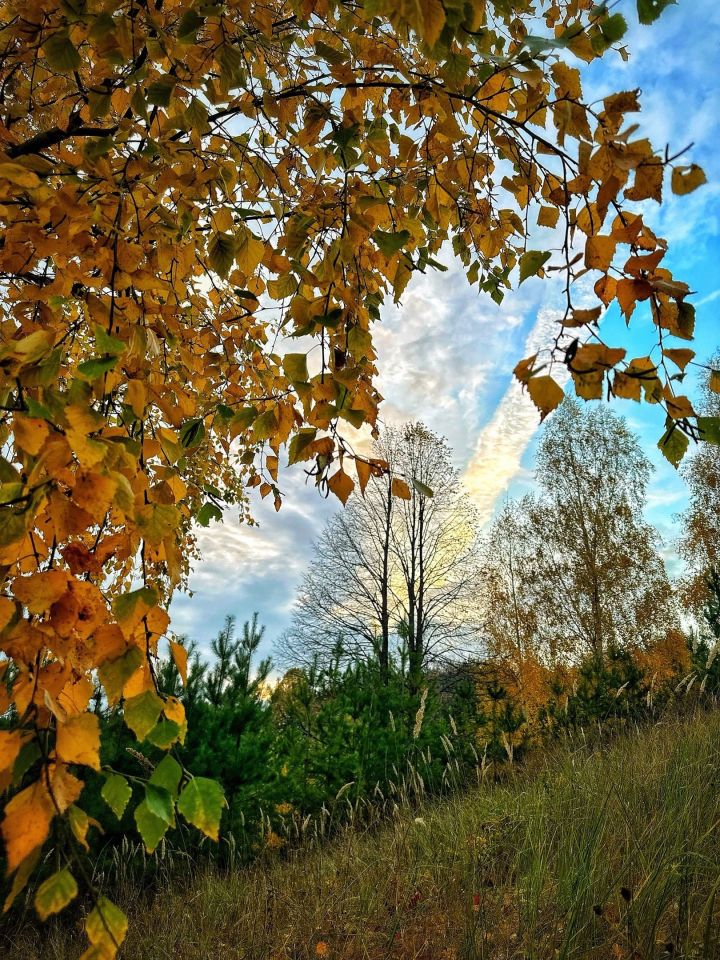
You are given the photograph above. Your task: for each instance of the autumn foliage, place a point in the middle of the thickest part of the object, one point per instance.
(184, 185)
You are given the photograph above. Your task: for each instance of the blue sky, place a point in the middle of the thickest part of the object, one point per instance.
(446, 355)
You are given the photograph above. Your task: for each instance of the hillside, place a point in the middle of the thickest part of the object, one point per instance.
(604, 853)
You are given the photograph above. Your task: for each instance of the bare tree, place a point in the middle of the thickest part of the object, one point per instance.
(345, 598)
(390, 573)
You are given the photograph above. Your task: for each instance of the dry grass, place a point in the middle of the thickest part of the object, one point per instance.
(606, 854)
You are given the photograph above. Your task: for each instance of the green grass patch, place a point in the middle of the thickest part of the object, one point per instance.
(611, 852)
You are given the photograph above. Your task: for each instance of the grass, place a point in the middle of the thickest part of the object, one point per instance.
(607, 853)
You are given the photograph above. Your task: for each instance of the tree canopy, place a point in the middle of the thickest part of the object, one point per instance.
(183, 186)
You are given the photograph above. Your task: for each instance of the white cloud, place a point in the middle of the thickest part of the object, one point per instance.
(446, 355)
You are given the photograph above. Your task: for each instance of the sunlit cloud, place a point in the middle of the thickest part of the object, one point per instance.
(446, 354)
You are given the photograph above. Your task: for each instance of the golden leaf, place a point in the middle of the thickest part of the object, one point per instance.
(180, 657)
(680, 356)
(545, 393)
(78, 740)
(599, 252)
(686, 179)
(341, 484)
(362, 468)
(400, 489)
(27, 823)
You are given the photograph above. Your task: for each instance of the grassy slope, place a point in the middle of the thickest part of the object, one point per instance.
(612, 854)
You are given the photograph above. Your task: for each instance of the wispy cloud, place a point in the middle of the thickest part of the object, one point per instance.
(446, 355)
(502, 442)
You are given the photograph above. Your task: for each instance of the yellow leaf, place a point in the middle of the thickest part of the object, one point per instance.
(579, 318)
(546, 394)
(524, 369)
(136, 397)
(648, 181)
(431, 20)
(22, 875)
(180, 657)
(400, 489)
(362, 468)
(599, 252)
(11, 743)
(548, 216)
(681, 356)
(341, 484)
(80, 823)
(19, 175)
(65, 787)
(628, 388)
(677, 407)
(30, 433)
(250, 252)
(78, 740)
(106, 927)
(27, 823)
(55, 893)
(686, 179)
(8, 611)
(40, 591)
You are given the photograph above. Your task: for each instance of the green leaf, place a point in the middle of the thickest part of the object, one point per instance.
(190, 23)
(295, 367)
(221, 253)
(540, 44)
(243, 418)
(709, 428)
(207, 512)
(650, 10)
(96, 367)
(197, 116)
(201, 803)
(107, 344)
(29, 753)
(531, 261)
(114, 674)
(224, 412)
(167, 774)
(390, 243)
(142, 712)
(116, 793)
(150, 827)
(614, 28)
(164, 734)
(124, 605)
(160, 91)
(330, 54)
(673, 444)
(330, 319)
(36, 409)
(355, 418)
(360, 343)
(302, 439)
(423, 488)
(265, 426)
(106, 927)
(192, 432)
(55, 893)
(60, 52)
(159, 802)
